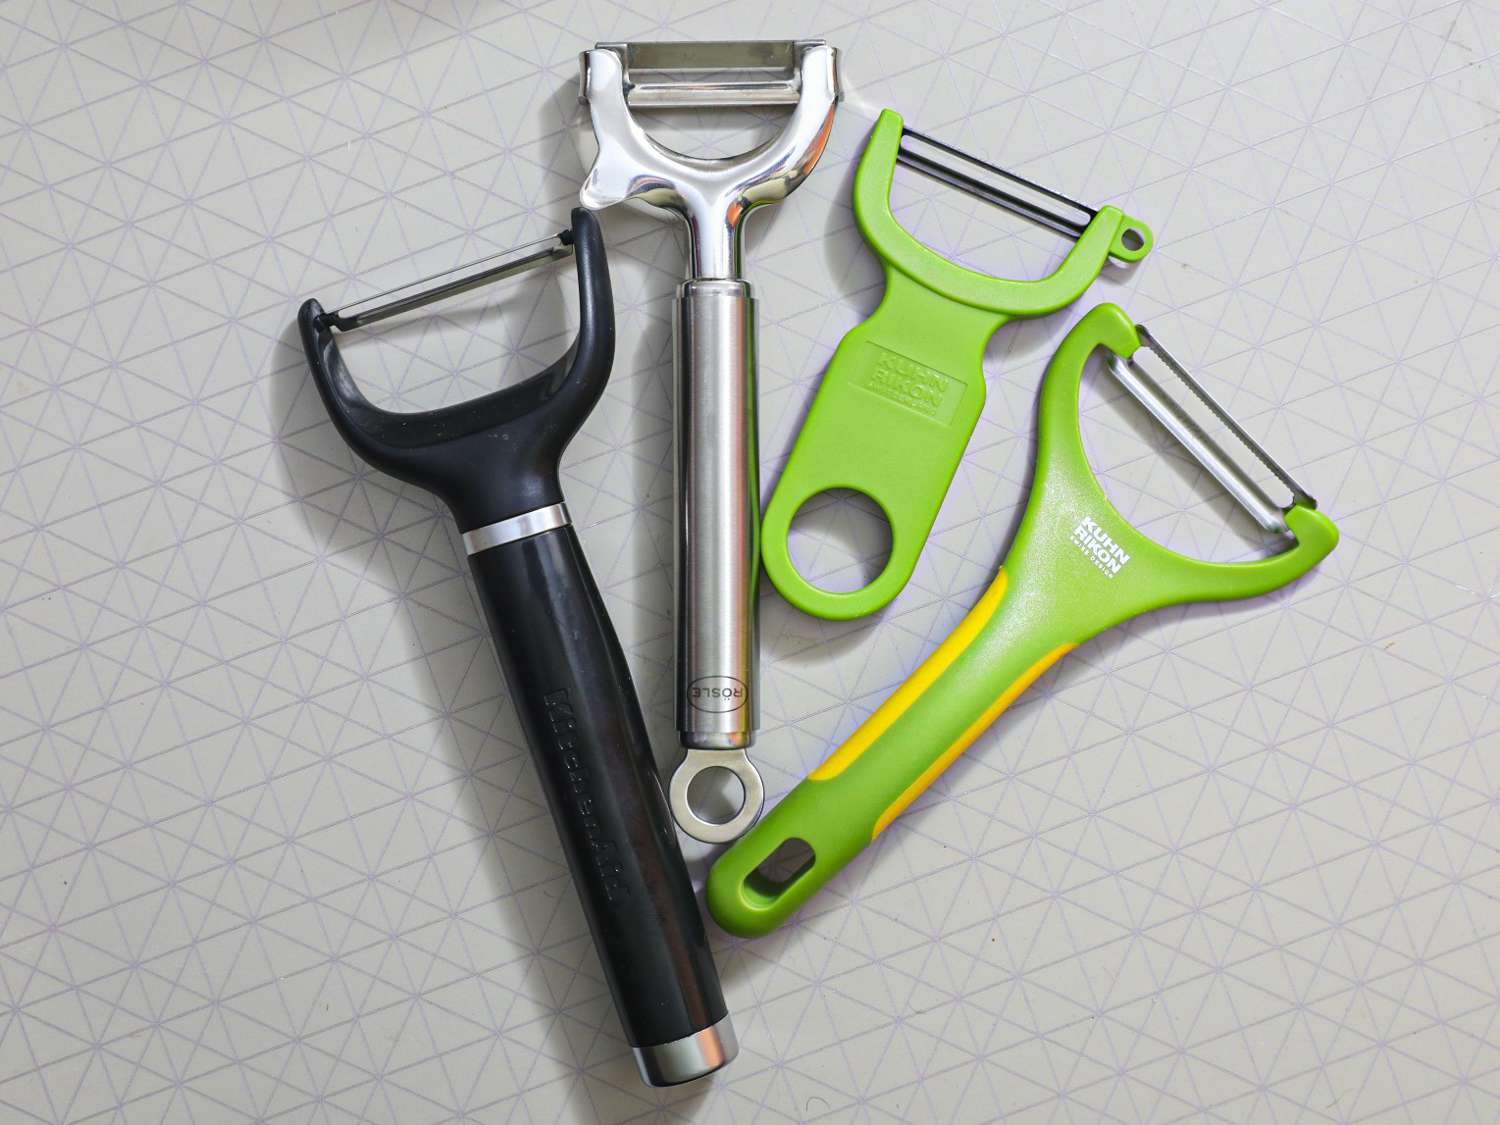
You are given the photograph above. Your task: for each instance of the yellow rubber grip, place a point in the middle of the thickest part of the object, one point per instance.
(924, 677)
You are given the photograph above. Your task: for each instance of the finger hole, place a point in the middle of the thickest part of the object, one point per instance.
(840, 540)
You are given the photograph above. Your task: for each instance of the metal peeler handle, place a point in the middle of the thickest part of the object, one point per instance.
(718, 492)
(718, 547)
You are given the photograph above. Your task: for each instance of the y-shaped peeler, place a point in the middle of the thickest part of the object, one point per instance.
(905, 387)
(494, 461)
(718, 479)
(1076, 568)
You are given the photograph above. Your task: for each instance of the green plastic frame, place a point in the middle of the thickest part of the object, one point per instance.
(904, 389)
(1076, 568)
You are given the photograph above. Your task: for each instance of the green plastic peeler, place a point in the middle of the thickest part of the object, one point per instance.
(904, 389)
(1075, 569)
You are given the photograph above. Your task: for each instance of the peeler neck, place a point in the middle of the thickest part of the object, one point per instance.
(716, 238)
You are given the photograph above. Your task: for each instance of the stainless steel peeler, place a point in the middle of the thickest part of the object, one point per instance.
(494, 461)
(718, 488)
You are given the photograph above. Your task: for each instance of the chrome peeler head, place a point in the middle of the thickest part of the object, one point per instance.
(713, 195)
(1209, 439)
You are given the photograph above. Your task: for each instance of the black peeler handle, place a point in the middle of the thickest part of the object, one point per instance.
(573, 692)
(494, 461)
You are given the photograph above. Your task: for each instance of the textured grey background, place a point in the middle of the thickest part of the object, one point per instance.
(270, 845)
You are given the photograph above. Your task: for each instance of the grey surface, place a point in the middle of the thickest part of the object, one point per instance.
(270, 845)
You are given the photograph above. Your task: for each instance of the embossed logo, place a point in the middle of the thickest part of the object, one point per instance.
(719, 694)
(603, 852)
(908, 383)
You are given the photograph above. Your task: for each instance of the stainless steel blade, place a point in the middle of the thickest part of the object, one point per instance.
(517, 260)
(1204, 447)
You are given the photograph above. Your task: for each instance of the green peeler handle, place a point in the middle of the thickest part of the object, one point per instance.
(905, 388)
(899, 750)
(1076, 568)
(888, 426)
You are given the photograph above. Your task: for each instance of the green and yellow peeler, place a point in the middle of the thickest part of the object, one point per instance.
(904, 389)
(1076, 568)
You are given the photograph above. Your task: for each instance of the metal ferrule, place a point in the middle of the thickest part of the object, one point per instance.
(523, 526)
(693, 1056)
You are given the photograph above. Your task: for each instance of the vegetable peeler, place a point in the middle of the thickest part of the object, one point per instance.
(494, 461)
(1076, 568)
(904, 389)
(717, 478)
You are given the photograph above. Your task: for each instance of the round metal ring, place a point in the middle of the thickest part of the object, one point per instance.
(710, 832)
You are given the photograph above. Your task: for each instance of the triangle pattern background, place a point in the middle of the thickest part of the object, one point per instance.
(271, 846)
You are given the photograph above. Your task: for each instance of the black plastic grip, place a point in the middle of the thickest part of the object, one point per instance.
(494, 458)
(573, 692)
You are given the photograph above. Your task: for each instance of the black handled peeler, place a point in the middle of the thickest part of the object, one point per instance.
(494, 462)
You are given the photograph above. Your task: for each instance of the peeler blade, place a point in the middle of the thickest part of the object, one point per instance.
(993, 184)
(472, 275)
(769, 70)
(1206, 447)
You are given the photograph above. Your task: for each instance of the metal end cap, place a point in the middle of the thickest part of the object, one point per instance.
(693, 1056)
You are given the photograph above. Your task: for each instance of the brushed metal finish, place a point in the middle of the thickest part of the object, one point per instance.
(693, 1056)
(717, 516)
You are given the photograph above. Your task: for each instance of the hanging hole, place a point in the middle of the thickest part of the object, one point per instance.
(716, 795)
(1132, 239)
(779, 870)
(840, 540)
